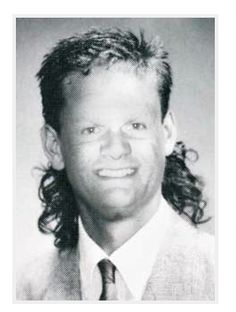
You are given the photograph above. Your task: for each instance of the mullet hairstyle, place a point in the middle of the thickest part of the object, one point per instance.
(81, 53)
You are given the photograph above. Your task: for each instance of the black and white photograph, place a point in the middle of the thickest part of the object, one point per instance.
(115, 159)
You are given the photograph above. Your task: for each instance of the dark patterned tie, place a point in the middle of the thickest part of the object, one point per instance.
(107, 269)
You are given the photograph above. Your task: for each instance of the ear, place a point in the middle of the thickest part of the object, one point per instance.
(51, 146)
(170, 133)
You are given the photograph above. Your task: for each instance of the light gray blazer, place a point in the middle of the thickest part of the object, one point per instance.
(183, 270)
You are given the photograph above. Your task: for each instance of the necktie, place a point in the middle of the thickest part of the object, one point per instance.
(107, 269)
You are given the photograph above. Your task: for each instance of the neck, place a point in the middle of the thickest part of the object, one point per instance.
(111, 234)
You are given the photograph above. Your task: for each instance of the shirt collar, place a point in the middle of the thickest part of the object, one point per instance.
(136, 257)
(90, 252)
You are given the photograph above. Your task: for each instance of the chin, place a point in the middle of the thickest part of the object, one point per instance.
(116, 214)
(117, 205)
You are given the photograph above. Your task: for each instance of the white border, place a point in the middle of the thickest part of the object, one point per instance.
(226, 129)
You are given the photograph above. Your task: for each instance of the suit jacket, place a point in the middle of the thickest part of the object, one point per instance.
(183, 270)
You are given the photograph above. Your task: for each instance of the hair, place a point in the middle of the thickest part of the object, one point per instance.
(181, 188)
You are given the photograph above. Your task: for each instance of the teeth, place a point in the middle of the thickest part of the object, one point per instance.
(115, 173)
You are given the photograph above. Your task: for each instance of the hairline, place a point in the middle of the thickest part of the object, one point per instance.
(137, 69)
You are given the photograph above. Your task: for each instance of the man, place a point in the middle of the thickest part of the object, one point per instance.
(115, 177)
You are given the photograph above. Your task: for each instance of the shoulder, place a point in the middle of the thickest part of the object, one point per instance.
(182, 237)
(185, 264)
(35, 272)
(189, 244)
(40, 274)
(192, 240)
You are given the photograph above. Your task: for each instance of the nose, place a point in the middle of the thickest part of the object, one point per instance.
(115, 146)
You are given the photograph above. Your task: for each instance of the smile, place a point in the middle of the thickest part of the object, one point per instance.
(115, 173)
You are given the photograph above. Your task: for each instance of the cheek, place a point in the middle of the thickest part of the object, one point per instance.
(151, 150)
(79, 158)
(152, 158)
(158, 149)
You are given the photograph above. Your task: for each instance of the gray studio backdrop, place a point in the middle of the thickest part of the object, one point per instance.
(190, 42)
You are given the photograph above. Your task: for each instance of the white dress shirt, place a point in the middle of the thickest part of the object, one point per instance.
(134, 260)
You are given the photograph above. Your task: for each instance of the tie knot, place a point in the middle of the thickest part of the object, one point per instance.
(107, 270)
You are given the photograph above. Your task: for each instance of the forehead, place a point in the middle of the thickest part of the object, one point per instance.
(121, 85)
(121, 72)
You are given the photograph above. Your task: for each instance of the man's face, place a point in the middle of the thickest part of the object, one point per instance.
(112, 140)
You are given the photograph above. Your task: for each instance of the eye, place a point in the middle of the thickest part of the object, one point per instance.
(90, 130)
(135, 129)
(138, 126)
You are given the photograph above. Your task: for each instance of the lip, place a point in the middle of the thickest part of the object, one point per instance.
(116, 173)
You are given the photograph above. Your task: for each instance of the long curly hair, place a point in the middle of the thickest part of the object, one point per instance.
(181, 188)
